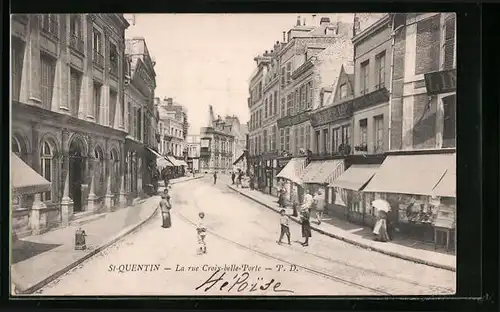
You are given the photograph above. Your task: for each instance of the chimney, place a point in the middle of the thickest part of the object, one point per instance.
(298, 20)
(304, 22)
(284, 36)
(324, 21)
(313, 19)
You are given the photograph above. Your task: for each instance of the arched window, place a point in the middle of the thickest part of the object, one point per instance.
(46, 161)
(99, 171)
(16, 147)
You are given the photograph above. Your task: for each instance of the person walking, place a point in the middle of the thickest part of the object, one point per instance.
(233, 176)
(306, 226)
(239, 178)
(308, 201)
(285, 229)
(201, 229)
(282, 194)
(319, 204)
(165, 207)
(215, 177)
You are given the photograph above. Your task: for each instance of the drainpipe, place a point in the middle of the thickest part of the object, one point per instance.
(391, 72)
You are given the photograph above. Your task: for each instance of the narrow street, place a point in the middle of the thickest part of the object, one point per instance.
(241, 233)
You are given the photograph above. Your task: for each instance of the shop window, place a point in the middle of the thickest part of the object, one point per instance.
(48, 69)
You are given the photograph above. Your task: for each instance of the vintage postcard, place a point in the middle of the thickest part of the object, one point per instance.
(233, 154)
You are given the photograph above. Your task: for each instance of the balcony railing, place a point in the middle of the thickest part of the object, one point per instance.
(98, 58)
(76, 43)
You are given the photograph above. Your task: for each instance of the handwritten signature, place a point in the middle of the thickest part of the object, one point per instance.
(240, 283)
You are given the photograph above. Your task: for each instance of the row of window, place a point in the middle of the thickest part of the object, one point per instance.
(170, 147)
(173, 131)
(380, 69)
(271, 105)
(379, 135)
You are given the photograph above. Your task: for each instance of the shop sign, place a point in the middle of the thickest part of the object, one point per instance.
(371, 99)
(441, 82)
(332, 114)
(288, 121)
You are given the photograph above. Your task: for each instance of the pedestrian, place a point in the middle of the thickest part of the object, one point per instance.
(282, 194)
(306, 226)
(201, 229)
(319, 205)
(215, 177)
(285, 229)
(233, 176)
(165, 207)
(380, 228)
(308, 201)
(239, 178)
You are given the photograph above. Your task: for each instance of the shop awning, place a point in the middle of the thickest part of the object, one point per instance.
(355, 177)
(25, 180)
(172, 160)
(410, 174)
(447, 186)
(293, 170)
(321, 171)
(161, 161)
(182, 163)
(243, 155)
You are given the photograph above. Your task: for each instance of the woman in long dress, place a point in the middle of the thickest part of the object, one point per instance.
(380, 229)
(306, 226)
(165, 207)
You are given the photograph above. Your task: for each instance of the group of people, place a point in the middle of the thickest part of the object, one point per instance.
(166, 206)
(310, 203)
(237, 177)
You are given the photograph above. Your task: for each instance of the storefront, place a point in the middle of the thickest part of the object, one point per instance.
(292, 173)
(318, 175)
(358, 204)
(408, 183)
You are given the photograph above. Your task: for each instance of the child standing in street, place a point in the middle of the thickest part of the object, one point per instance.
(285, 229)
(202, 233)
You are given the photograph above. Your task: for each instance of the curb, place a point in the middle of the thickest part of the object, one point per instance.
(356, 243)
(95, 251)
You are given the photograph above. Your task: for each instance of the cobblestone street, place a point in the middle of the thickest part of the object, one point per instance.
(241, 233)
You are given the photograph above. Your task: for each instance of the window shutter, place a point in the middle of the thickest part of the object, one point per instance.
(449, 44)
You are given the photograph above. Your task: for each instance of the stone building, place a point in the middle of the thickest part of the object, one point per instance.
(140, 145)
(68, 116)
(216, 145)
(239, 131)
(193, 152)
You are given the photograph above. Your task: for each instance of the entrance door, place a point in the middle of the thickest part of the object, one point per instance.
(76, 176)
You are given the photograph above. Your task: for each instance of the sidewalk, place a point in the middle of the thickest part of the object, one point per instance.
(427, 257)
(39, 259)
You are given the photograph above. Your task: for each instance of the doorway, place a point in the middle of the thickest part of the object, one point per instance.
(76, 174)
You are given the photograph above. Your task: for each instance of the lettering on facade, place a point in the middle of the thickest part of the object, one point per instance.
(371, 99)
(332, 114)
(441, 82)
(293, 120)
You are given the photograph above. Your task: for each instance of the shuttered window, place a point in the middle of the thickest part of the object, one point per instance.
(449, 42)
(112, 107)
(275, 103)
(265, 141)
(273, 139)
(48, 68)
(308, 137)
(17, 67)
(282, 140)
(265, 108)
(96, 97)
(75, 86)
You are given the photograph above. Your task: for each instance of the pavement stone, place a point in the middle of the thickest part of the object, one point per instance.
(430, 258)
(56, 248)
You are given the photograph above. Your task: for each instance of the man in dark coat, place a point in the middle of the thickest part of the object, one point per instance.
(233, 175)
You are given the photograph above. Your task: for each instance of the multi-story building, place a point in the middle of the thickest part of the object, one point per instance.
(309, 65)
(140, 146)
(173, 126)
(239, 131)
(68, 114)
(216, 145)
(193, 152)
(418, 175)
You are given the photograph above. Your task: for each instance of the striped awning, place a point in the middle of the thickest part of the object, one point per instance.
(410, 174)
(25, 180)
(293, 170)
(321, 171)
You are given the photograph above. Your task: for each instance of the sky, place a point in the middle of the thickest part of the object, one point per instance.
(207, 59)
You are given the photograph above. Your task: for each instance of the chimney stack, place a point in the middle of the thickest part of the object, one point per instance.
(284, 37)
(298, 20)
(324, 21)
(313, 19)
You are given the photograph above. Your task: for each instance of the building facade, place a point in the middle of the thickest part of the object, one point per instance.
(140, 147)
(173, 118)
(68, 115)
(239, 131)
(216, 145)
(193, 152)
